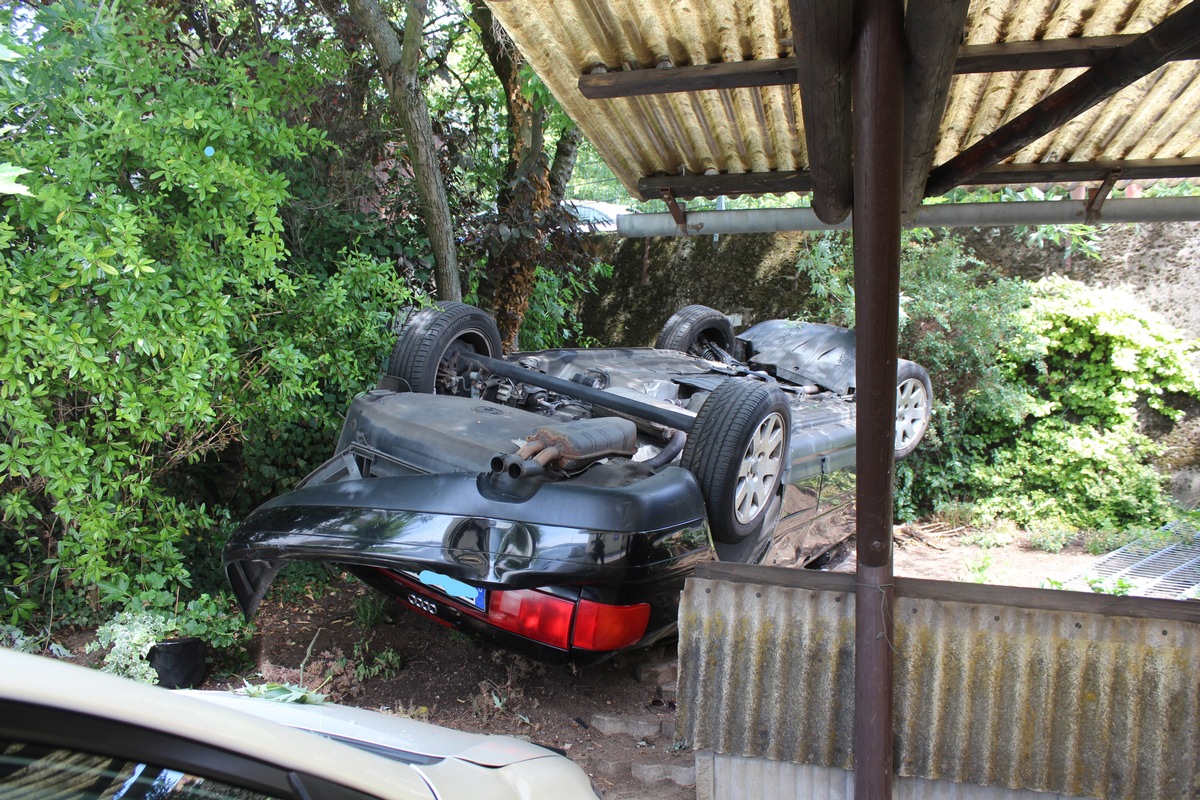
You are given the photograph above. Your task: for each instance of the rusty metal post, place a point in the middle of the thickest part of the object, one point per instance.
(878, 149)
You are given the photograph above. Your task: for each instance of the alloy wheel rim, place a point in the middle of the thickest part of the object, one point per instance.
(912, 411)
(759, 472)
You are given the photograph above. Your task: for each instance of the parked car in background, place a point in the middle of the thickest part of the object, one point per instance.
(67, 731)
(595, 216)
(558, 499)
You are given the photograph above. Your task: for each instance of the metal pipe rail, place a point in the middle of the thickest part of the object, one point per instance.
(948, 215)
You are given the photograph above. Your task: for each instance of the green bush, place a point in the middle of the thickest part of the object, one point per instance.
(151, 317)
(1038, 389)
(1068, 445)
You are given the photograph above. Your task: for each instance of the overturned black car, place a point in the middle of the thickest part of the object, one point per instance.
(560, 498)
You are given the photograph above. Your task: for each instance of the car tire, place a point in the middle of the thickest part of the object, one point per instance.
(738, 450)
(692, 329)
(427, 350)
(914, 394)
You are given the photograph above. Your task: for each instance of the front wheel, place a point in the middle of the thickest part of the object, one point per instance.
(914, 394)
(432, 352)
(738, 451)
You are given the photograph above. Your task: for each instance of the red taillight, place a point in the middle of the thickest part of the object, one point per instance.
(547, 619)
(604, 627)
(539, 616)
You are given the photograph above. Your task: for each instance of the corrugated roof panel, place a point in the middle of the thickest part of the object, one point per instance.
(979, 104)
(1147, 127)
(1087, 704)
(760, 130)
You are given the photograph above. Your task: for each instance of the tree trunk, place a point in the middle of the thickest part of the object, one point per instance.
(398, 62)
(564, 163)
(526, 193)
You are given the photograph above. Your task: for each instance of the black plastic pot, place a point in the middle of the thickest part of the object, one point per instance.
(179, 662)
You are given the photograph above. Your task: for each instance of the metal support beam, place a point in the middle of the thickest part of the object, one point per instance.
(949, 215)
(1097, 196)
(878, 149)
(1177, 34)
(678, 214)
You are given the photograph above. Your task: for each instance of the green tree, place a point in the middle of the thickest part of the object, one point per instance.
(151, 317)
(399, 58)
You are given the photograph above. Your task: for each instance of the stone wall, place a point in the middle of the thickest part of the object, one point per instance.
(753, 275)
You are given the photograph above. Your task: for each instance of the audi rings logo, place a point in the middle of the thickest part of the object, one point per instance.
(428, 606)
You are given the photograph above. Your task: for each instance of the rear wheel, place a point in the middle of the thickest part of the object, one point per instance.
(738, 451)
(698, 330)
(913, 409)
(432, 352)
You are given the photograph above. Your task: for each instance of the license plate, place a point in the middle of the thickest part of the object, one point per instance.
(454, 588)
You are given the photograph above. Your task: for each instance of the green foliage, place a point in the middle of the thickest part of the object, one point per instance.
(150, 314)
(979, 569)
(989, 537)
(15, 638)
(956, 319)
(827, 261)
(368, 665)
(370, 609)
(551, 320)
(1068, 447)
(1119, 586)
(152, 616)
(1093, 477)
(283, 693)
(1105, 540)
(129, 637)
(1050, 535)
(1037, 390)
(1073, 238)
(131, 633)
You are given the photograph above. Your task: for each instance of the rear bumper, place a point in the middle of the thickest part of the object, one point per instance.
(615, 545)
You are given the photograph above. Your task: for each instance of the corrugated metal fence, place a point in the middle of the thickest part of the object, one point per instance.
(1035, 690)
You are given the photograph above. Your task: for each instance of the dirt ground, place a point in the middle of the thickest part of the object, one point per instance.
(325, 636)
(408, 665)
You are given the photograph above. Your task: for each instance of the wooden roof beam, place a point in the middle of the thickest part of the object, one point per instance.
(729, 184)
(1085, 51)
(734, 75)
(1003, 57)
(1177, 34)
(933, 33)
(823, 31)
(1065, 172)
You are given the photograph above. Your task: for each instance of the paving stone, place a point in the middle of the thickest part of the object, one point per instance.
(656, 673)
(666, 729)
(679, 774)
(608, 768)
(615, 724)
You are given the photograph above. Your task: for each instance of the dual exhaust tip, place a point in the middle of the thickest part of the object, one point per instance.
(516, 466)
